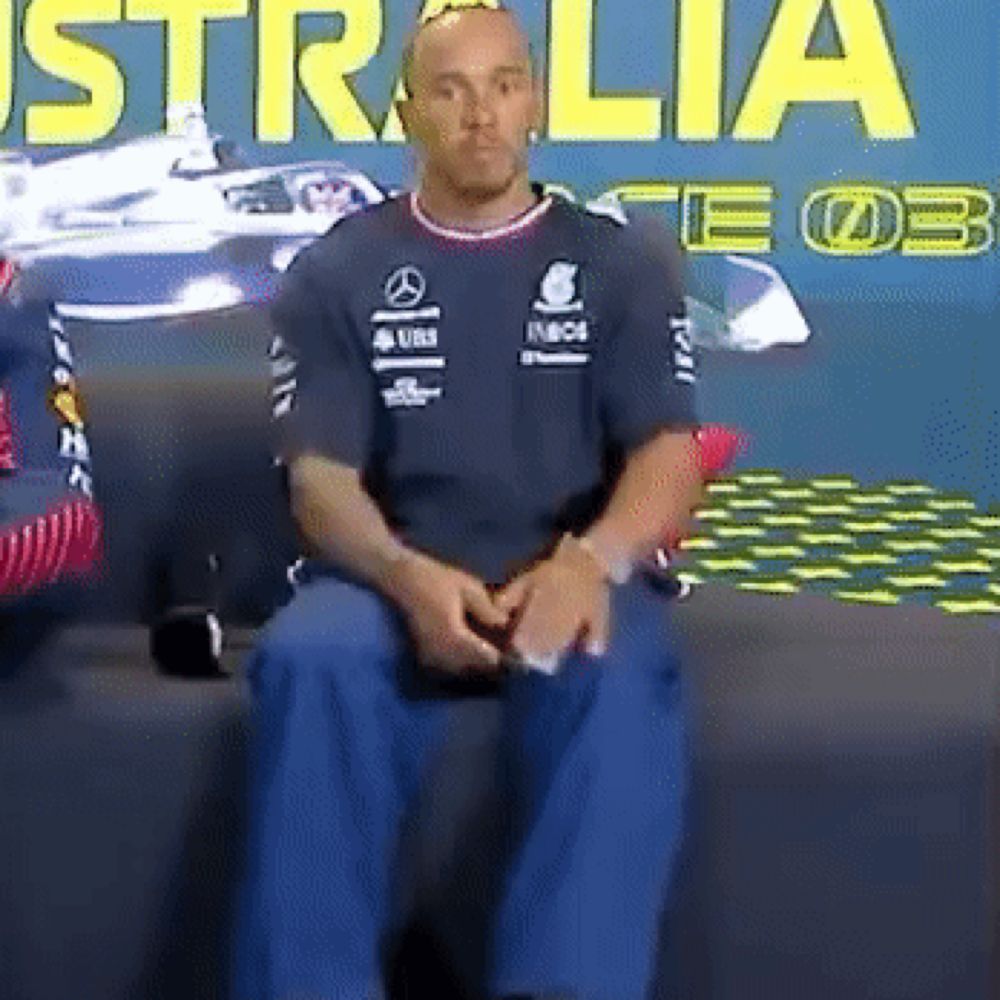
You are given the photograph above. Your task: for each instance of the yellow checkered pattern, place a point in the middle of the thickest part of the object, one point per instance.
(895, 543)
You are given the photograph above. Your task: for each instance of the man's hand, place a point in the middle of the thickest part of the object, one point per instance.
(437, 601)
(563, 600)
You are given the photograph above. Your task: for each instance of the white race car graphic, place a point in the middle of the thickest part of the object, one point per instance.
(168, 225)
(742, 304)
(179, 224)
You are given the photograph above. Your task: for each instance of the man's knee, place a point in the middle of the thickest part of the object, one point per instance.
(330, 626)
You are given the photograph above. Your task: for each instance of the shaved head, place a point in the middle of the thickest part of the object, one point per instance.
(448, 15)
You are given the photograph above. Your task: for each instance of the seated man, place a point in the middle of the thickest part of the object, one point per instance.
(487, 415)
(49, 525)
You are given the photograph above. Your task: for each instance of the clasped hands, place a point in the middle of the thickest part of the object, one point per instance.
(460, 626)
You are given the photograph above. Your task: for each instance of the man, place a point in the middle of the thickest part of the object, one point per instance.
(49, 525)
(487, 416)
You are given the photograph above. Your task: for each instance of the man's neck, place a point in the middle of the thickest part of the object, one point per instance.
(448, 208)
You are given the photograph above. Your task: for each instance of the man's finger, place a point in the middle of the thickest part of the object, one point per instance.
(597, 632)
(513, 596)
(533, 639)
(479, 604)
(470, 650)
(546, 665)
(459, 653)
(465, 647)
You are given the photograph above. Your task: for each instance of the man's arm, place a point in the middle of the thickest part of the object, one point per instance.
(342, 523)
(646, 392)
(50, 527)
(324, 418)
(659, 488)
(566, 597)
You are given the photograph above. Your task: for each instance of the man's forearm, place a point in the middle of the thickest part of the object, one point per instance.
(653, 500)
(341, 522)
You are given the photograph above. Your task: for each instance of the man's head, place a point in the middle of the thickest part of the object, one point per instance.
(472, 100)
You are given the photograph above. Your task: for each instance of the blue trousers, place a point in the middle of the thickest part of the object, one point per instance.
(591, 764)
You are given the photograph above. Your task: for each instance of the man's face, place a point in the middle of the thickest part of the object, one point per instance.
(473, 101)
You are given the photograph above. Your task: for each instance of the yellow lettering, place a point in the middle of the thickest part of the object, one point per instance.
(645, 193)
(866, 74)
(947, 221)
(852, 221)
(727, 218)
(85, 65)
(657, 192)
(700, 55)
(323, 67)
(575, 114)
(185, 21)
(392, 129)
(6, 60)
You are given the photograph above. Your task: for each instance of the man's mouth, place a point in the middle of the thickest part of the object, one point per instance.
(484, 146)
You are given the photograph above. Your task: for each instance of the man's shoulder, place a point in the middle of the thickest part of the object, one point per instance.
(352, 236)
(621, 237)
(26, 327)
(598, 217)
(360, 227)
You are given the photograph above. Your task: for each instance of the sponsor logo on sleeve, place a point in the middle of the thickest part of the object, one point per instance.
(284, 383)
(65, 404)
(683, 354)
(64, 399)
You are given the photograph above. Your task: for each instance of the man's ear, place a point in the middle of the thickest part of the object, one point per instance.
(538, 109)
(404, 106)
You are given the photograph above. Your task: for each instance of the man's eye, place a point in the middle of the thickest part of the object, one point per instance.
(510, 85)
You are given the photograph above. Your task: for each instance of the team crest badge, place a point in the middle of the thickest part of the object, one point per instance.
(559, 284)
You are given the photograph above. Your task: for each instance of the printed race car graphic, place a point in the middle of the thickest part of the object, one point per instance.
(193, 226)
(742, 304)
(196, 228)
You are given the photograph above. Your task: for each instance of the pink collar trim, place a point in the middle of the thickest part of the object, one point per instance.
(511, 228)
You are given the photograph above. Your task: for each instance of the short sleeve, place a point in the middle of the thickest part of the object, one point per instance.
(43, 438)
(649, 369)
(321, 382)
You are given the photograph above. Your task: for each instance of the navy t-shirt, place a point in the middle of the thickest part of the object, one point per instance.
(487, 384)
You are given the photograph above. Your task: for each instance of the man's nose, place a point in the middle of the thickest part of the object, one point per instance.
(480, 110)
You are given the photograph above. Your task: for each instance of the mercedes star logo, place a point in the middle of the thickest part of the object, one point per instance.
(405, 288)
